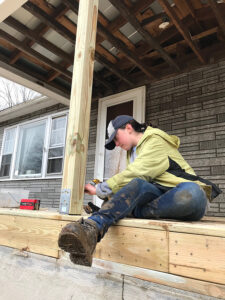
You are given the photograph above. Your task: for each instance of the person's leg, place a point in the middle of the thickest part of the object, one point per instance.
(130, 198)
(187, 202)
(80, 238)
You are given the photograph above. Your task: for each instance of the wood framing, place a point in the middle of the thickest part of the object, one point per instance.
(160, 251)
(218, 15)
(182, 29)
(125, 12)
(80, 105)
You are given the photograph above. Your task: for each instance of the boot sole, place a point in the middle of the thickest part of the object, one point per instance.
(70, 242)
(81, 260)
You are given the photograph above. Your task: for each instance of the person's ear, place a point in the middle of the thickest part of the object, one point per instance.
(129, 128)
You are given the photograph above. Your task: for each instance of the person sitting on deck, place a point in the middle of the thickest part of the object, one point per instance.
(157, 183)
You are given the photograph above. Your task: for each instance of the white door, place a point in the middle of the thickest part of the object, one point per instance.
(109, 163)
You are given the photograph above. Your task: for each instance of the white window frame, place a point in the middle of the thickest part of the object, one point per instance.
(138, 96)
(48, 146)
(3, 144)
(44, 174)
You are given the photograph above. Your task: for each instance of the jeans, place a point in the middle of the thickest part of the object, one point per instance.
(187, 201)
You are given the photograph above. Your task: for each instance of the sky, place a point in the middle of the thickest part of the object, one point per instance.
(12, 93)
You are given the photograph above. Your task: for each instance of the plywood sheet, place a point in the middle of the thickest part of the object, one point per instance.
(196, 256)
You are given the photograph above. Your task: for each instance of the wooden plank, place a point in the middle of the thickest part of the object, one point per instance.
(80, 105)
(213, 219)
(179, 282)
(136, 247)
(207, 226)
(29, 234)
(200, 257)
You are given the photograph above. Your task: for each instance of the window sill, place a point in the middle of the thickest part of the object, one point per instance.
(22, 179)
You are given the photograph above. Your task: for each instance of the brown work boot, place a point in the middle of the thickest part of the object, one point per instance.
(79, 239)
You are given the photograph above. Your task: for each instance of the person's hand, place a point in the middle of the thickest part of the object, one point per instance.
(90, 189)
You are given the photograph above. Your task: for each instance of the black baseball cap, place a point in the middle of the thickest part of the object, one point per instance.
(113, 126)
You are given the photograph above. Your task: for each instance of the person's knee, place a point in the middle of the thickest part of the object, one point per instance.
(188, 191)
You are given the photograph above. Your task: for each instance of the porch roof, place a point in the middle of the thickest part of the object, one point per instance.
(138, 41)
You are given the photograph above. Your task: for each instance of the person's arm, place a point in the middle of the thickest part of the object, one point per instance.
(151, 162)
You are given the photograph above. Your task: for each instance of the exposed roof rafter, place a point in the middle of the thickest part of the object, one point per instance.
(125, 12)
(219, 17)
(182, 29)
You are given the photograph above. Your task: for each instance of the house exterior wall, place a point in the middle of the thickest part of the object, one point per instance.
(48, 190)
(191, 105)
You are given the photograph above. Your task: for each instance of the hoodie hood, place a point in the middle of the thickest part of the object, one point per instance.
(172, 139)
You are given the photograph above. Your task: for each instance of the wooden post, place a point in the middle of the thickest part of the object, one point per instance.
(80, 107)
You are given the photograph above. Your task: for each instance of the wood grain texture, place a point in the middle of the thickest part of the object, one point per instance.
(210, 226)
(80, 105)
(122, 244)
(148, 249)
(195, 256)
(30, 234)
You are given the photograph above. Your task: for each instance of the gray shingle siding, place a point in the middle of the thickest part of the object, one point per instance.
(192, 106)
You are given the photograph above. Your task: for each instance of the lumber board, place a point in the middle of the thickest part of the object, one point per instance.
(207, 226)
(80, 105)
(175, 281)
(30, 234)
(135, 246)
(200, 257)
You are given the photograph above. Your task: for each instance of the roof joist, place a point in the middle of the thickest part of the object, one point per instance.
(126, 13)
(182, 29)
(117, 43)
(218, 15)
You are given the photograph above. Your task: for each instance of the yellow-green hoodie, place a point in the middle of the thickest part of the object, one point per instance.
(154, 151)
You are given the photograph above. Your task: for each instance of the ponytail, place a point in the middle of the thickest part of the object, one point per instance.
(138, 127)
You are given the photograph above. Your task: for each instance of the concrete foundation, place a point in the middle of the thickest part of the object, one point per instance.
(26, 276)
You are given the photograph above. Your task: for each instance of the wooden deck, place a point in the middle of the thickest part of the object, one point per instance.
(185, 255)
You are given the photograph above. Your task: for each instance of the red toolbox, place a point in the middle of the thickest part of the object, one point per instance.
(32, 204)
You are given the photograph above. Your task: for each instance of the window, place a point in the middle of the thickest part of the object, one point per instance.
(7, 152)
(34, 149)
(30, 149)
(56, 146)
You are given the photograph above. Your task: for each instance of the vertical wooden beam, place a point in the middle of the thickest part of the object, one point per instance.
(80, 106)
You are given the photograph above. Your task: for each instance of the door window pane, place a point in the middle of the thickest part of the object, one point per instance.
(30, 149)
(7, 152)
(57, 144)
